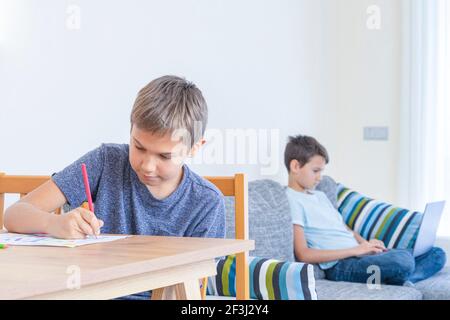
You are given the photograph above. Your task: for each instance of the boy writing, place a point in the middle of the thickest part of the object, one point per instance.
(321, 236)
(142, 188)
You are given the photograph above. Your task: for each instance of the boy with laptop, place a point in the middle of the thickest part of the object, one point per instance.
(321, 236)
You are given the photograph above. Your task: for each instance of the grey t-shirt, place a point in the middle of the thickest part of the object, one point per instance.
(195, 209)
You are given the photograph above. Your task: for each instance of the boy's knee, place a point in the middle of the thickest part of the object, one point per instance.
(405, 265)
(407, 269)
(438, 256)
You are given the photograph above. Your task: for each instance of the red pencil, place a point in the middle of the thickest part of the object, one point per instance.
(87, 189)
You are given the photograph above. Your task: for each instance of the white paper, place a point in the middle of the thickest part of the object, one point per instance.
(17, 239)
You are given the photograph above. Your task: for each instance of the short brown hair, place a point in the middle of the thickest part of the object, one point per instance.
(302, 149)
(170, 103)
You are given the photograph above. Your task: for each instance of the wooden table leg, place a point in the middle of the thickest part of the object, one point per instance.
(188, 290)
(167, 293)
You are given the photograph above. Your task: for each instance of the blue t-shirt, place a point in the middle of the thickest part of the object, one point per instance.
(322, 224)
(126, 206)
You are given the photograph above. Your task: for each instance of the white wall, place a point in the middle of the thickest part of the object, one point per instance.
(294, 66)
(369, 92)
(259, 64)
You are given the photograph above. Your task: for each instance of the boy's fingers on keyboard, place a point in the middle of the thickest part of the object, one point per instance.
(376, 245)
(375, 250)
(377, 242)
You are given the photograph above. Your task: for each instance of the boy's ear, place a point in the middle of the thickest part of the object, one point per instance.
(294, 165)
(196, 147)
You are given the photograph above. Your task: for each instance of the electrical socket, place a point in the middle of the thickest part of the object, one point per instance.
(376, 133)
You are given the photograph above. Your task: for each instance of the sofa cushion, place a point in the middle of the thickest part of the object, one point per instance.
(318, 272)
(269, 279)
(269, 218)
(396, 227)
(437, 287)
(334, 290)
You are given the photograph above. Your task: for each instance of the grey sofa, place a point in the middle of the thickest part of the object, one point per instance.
(271, 227)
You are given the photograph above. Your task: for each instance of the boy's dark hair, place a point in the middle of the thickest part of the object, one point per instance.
(171, 103)
(302, 149)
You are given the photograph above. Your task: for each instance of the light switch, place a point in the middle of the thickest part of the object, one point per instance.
(376, 133)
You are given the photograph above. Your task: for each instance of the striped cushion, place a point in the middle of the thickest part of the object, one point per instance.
(269, 279)
(396, 227)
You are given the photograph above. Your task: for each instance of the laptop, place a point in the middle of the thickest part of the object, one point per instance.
(428, 228)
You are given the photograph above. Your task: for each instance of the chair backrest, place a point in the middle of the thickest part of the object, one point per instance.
(230, 186)
(237, 186)
(18, 185)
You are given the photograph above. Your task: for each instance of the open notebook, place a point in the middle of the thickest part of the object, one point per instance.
(17, 239)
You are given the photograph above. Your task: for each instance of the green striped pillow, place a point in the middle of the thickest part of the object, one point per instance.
(396, 227)
(269, 279)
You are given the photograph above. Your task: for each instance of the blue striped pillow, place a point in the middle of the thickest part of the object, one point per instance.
(396, 227)
(269, 279)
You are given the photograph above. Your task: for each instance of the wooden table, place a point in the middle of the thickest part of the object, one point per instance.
(169, 266)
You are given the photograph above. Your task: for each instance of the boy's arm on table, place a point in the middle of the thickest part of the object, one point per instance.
(309, 255)
(33, 214)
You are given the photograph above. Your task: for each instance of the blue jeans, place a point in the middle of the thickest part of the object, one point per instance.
(396, 266)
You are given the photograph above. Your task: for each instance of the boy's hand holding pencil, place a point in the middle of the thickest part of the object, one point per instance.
(75, 224)
(80, 222)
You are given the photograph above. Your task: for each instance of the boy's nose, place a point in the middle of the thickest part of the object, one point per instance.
(149, 166)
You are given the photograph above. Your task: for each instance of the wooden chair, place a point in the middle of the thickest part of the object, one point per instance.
(237, 186)
(230, 186)
(18, 185)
